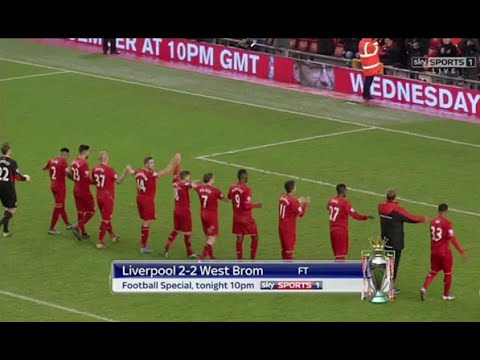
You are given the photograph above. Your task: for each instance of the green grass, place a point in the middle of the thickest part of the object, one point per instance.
(40, 115)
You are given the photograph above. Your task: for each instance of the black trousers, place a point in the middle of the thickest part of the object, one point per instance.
(113, 45)
(367, 83)
(398, 255)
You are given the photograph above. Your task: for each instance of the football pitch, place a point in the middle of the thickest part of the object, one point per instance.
(53, 97)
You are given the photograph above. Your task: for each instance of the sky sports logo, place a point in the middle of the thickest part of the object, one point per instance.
(443, 62)
(291, 285)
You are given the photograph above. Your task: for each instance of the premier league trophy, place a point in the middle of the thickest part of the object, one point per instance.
(377, 267)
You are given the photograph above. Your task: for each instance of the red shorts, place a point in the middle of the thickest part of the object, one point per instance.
(146, 208)
(442, 262)
(288, 239)
(106, 205)
(84, 202)
(210, 224)
(59, 194)
(182, 221)
(244, 226)
(339, 240)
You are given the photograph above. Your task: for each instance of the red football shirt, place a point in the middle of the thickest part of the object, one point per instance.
(105, 178)
(81, 176)
(58, 168)
(241, 196)
(209, 197)
(288, 210)
(441, 233)
(182, 195)
(340, 209)
(146, 182)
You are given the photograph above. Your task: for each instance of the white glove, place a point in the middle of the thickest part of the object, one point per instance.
(27, 177)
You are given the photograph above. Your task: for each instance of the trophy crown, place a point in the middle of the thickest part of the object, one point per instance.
(377, 243)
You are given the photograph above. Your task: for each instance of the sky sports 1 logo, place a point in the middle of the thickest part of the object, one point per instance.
(291, 285)
(443, 62)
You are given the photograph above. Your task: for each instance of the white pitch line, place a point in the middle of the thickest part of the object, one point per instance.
(290, 141)
(319, 182)
(328, 118)
(34, 75)
(55, 306)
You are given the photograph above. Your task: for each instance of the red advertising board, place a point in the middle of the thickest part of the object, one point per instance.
(303, 73)
(411, 92)
(195, 53)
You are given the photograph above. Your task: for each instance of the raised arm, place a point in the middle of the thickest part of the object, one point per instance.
(129, 170)
(171, 165)
(176, 171)
(121, 179)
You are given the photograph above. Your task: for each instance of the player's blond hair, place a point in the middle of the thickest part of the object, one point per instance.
(103, 155)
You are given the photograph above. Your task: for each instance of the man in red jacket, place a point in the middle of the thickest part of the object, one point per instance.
(392, 217)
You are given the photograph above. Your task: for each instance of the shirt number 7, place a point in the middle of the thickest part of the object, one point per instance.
(204, 198)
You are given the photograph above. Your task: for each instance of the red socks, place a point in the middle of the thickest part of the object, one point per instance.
(79, 217)
(145, 235)
(429, 279)
(287, 255)
(253, 248)
(188, 244)
(171, 239)
(83, 219)
(87, 217)
(110, 229)
(447, 281)
(55, 216)
(239, 250)
(103, 231)
(207, 251)
(64, 215)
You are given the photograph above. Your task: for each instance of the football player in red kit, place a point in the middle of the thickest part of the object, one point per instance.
(146, 180)
(58, 170)
(209, 196)
(339, 210)
(182, 215)
(105, 179)
(441, 259)
(289, 208)
(80, 174)
(243, 222)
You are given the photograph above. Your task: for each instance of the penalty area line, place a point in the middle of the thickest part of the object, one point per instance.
(289, 142)
(324, 183)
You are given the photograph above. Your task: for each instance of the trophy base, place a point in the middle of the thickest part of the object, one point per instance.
(379, 298)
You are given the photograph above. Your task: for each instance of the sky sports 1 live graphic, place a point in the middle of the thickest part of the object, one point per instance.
(239, 277)
(443, 62)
